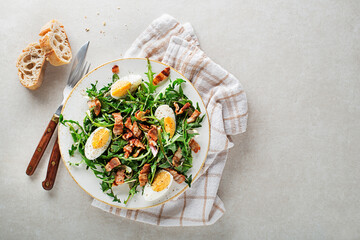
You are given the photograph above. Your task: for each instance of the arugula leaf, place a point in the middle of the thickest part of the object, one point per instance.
(188, 180)
(150, 74)
(115, 77)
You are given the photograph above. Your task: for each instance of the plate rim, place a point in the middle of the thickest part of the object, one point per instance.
(202, 164)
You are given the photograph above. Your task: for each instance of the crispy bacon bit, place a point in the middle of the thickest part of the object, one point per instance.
(161, 76)
(115, 69)
(153, 133)
(152, 138)
(179, 178)
(137, 143)
(193, 116)
(114, 162)
(143, 176)
(128, 123)
(139, 115)
(135, 130)
(177, 157)
(96, 105)
(127, 135)
(118, 126)
(144, 127)
(186, 106)
(136, 154)
(127, 150)
(194, 145)
(119, 176)
(176, 107)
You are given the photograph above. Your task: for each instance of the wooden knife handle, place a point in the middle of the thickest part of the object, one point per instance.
(44, 141)
(53, 166)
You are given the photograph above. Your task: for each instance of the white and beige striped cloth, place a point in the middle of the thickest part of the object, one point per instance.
(176, 44)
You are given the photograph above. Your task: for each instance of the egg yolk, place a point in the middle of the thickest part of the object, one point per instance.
(169, 126)
(100, 138)
(161, 181)
(120, 88)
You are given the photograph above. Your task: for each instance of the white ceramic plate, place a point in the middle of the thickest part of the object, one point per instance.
(76, 106)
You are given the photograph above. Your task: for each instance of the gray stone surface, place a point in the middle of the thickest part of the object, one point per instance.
(293, 175)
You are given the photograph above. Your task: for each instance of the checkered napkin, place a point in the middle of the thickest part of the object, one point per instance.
(176, 44)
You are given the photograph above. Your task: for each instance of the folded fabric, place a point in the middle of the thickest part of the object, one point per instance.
(176, 44)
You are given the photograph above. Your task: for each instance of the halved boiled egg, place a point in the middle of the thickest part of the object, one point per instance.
(97, 143)
(123, 85)
(165, 112)
(160, 185)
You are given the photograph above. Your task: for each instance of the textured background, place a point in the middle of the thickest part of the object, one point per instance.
(293, 175)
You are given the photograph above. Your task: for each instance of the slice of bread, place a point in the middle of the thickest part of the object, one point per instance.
(55, 43)
(31, 66)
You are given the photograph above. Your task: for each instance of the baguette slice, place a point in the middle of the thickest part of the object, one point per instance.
(31, 66)
(55, 43)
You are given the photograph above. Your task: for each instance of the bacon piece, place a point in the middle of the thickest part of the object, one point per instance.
(193, 116)
(176, 107)
(114, 162)
(152, 136)
(139, 115)
(177, 157)
(144, 127)
(153, 133)
(119, 176)
(143, 176)
(137, 143)
(127, 135)
(135, 130)
(115, 69)
(194, 145)
(136, 154)
(128, 123)
(96, 105)
(161, 76)
(118, 126)
(127, 150)
(179, 178)
(186, 106)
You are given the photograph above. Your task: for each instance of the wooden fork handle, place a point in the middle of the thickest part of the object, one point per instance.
(53, 166)
(44, 141)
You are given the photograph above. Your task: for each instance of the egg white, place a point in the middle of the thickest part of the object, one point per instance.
(151, 195)
(164, 111)
(92, 153)
(135, 81)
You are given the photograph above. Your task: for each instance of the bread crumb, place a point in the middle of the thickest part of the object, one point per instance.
(85, 17)
(87, 29)
(97, 13)
(118, 8)
(104, 23)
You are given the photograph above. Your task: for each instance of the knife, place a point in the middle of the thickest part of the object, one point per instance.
(78, 69)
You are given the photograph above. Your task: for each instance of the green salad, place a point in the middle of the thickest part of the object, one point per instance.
(137, 136)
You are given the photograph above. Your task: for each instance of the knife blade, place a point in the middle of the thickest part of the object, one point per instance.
(78, 69)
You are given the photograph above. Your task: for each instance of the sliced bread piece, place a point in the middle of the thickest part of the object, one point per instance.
(55, 43)
(31, 66)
